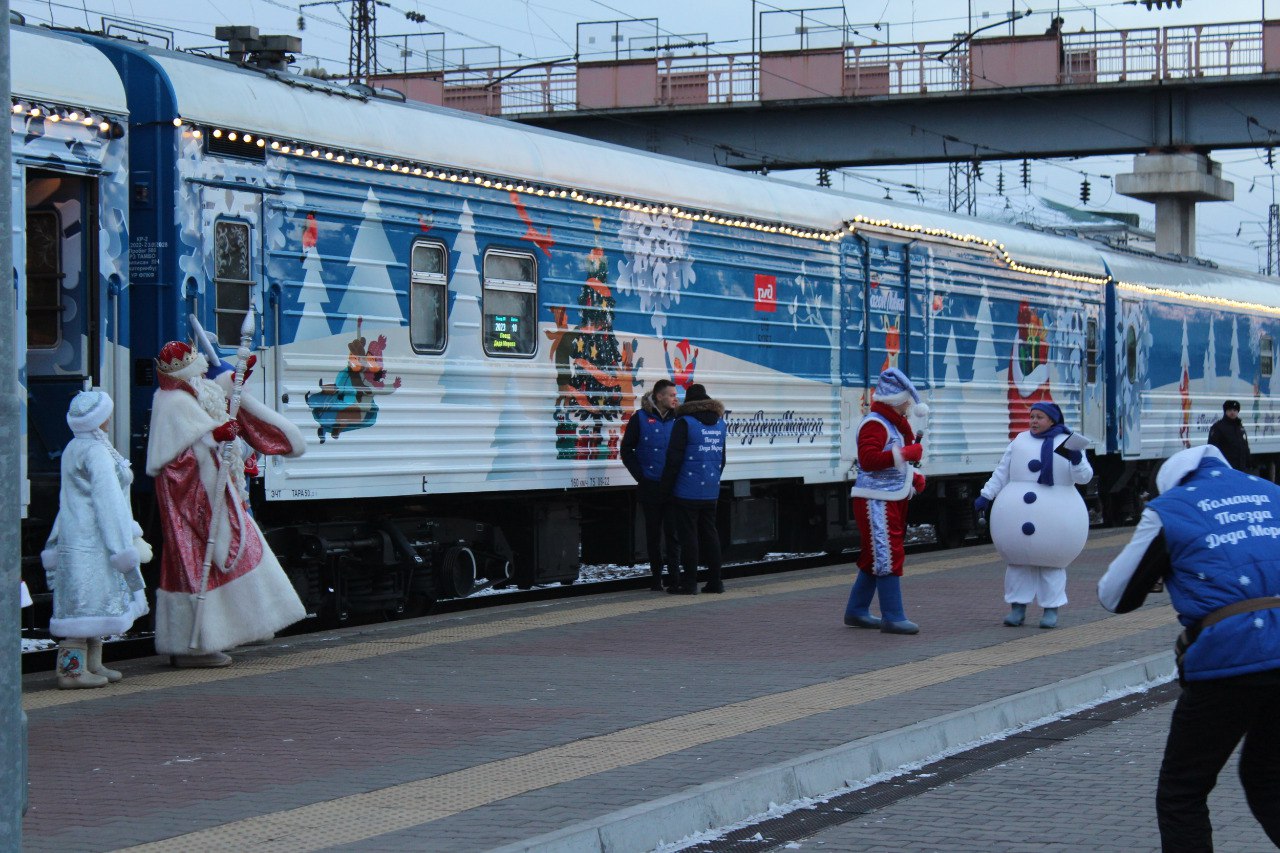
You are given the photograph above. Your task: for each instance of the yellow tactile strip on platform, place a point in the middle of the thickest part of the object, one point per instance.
(443, 634)
(361, 816)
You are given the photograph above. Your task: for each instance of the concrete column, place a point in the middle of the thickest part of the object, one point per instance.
(1174, 183)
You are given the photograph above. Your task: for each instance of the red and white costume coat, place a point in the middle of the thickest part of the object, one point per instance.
(249, 596)
(882, 524)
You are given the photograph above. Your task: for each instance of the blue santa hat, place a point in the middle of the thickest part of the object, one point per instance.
(894, 388)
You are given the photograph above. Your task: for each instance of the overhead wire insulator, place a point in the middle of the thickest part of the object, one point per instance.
(1026, 174)
(1084, 191)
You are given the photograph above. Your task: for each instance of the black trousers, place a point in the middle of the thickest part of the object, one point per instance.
(696, 530)
(660, 540)
(1210, 719)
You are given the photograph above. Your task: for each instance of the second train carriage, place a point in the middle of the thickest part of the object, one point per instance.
(463, 312)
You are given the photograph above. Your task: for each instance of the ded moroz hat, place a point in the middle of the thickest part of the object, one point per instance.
(893, 388)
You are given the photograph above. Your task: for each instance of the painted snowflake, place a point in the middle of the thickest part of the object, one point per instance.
(657, 265)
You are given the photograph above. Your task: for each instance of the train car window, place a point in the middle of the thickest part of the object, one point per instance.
(510, 303)
(44, 280)
(428, 297)
(233, 281)
(1266, 355)
(1091, 350)
(1131, 354)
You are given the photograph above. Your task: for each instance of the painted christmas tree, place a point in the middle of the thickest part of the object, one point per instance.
(588, 407)
(313, 295)
(369, 292)
(1184, 391)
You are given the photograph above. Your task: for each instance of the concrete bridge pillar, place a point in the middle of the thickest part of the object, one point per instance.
(1174, 183)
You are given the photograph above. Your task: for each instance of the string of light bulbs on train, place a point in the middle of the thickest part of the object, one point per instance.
(56, 113)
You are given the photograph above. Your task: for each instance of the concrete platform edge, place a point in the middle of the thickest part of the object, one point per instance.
(718, 804)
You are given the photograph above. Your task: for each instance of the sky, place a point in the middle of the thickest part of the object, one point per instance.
(518, 31)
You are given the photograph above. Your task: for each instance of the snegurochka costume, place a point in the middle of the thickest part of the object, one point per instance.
(91, 558)
(887, 447)
(1039, 522)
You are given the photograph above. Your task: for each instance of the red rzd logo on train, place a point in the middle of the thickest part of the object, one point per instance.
(766, 293)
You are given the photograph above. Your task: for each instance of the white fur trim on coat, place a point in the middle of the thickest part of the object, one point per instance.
(125, 560)
(49, 559)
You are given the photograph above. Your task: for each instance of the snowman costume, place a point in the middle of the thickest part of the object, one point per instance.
(1039, 522)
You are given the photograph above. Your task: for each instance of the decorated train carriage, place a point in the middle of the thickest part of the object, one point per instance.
(462, 313)
(69, 177)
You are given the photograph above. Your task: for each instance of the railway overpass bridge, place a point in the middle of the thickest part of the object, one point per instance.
(1178, 93)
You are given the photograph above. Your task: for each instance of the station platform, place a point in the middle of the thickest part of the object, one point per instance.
(625, 721)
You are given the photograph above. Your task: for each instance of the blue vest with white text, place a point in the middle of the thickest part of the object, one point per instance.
(1222, 529)
(655, 435)
(699, 478)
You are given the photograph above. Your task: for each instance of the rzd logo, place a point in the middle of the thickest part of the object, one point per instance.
(766, 293)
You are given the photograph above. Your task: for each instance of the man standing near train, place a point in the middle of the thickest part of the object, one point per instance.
(248, 595)
(644, 452)
(691, 477)
(1228, 435)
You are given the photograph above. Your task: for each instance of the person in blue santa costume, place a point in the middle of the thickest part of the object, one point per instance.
(1039, 522)
(887, 448)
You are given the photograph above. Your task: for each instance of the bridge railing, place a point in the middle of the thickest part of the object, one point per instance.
(870, 70)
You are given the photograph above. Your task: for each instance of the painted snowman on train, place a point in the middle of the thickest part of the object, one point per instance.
(1039, 522)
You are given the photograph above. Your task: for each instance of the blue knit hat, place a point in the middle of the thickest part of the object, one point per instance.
(1050, 410)
(894, 388)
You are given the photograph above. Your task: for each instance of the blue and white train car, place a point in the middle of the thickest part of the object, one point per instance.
(463, 312)
(69, 178)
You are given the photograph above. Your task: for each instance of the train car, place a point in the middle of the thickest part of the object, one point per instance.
(461, 313)
(69, 176)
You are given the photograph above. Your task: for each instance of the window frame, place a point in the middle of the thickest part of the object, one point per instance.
(442, 283)
(249, 283)
(57, 308)
(509, 286)
(1266, 356)
(1091, 350)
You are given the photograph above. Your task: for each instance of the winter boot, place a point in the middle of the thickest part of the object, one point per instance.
(655, 582)
(857, 613)
(1049, 619)
(95, 663)
(895, 619)
(73, 670)
(1017, 613)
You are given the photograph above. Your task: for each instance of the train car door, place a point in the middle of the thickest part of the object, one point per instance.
(1130, 362)
(1093, 414)
(233, 263)
(64, 316)
(853, 343)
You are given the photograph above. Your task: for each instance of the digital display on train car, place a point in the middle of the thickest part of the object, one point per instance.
(503, 333)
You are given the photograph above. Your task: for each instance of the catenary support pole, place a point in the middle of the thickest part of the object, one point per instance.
(13, 722)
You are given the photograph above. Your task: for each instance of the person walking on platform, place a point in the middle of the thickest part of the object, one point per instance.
(644, 452)
(1228, 435)
(887, 447)
(691, 478)
(1039, 522)
(1211, 537)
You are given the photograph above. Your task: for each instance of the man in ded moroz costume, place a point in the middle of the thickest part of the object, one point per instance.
(91, 558)
(1039, 522)
(247, 595)
(886, 481)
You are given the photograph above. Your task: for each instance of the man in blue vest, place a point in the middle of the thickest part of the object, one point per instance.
(691, 477)
(644, 452)
(1211, 536)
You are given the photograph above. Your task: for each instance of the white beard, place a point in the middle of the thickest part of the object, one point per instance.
(210, 396)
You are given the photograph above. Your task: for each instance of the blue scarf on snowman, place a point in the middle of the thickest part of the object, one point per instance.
(1053, 413)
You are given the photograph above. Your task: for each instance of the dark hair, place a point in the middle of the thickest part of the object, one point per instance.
(695, 392)
(1231, 404)
(662, 385)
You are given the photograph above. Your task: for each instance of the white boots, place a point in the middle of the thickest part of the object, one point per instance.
(80, 665)
(73, 666)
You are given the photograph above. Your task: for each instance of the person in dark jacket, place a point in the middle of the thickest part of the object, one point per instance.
(1211, 537)
(691, 477)
(644, 452)
(1228, 435)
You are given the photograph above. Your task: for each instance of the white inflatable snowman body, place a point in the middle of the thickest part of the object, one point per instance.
(1033, 524)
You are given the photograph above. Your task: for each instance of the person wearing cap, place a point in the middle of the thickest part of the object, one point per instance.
(1228, 435)
(887, 448)
(248, 596)
(1039, 522)
(92, 555)
(644, 452)
(1211, 536)
(691, 481)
